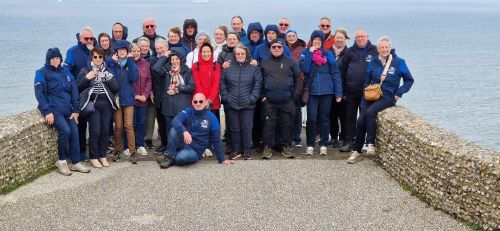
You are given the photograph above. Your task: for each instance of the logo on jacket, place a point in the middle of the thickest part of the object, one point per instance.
(67, 78)
(369, 58)
(204, 123)
(391, 70)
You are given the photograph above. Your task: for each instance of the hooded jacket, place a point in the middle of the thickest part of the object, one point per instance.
(189, 40)
(171, 105)
(254, 26)
(262, 51)
(55, 88)
(391, 86)
(206, 76)
(86, 86)
(204, 129)
(127, 75)
(125, 34)
(354, 65)
(240, 85)
(282, 79)
(144, 84)
(321, 79)
(296, 49)
(243, 36)
(77, 56)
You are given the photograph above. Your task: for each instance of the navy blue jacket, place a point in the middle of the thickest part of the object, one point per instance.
(282, 79)
(326, 78)
(204, 129)
(77, 57)
(240, 85)
(392, 84)
(263, 51)
(354, 66)
(127, 75)
(171, 105)
(85, 86)
(254, 26)
(243, 36)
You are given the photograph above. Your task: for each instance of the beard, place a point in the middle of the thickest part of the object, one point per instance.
(90, 46)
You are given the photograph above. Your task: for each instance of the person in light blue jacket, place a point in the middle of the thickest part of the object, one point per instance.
(392, 91)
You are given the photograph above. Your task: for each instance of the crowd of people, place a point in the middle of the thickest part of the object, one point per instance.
(261, 77)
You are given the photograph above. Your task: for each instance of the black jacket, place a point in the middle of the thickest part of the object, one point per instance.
(86, 87)
(281, 79)
(354, 66)
(171, 105)
(240, 85)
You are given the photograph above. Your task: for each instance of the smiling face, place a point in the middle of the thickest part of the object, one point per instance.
(271, 35)
(149, 27)
(199, 101)
(317, 43)
(136, 53)
(237, 24)
(325, 26)
(219, 36)
(87, 37)
(122, 53)
(241, 54)
(161, 48)
(291, 38)
(118, 32)
(202, 39)
(175, 61)
(97, 59)
(173, 38)
(339, 40)
(55, 61)
(283, 25)
(206, 53)
(361, 38)
(384, 48)
(190, 30)
(104, 42)
(144, 47)
(232, 40)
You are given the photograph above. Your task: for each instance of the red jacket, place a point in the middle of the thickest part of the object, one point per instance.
(328, 44)
(206, 76)
(143, 85)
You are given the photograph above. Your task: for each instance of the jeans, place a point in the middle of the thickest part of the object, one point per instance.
(139, 124)
(318, 107)
(150, 120)
(240, 124)
(297, 125)
(99, 122)
(285, 114)
(68, 144)
(367, 122)
(352, 104)
(337, 120)
(82, 136)
(124, 118)
(180, 152)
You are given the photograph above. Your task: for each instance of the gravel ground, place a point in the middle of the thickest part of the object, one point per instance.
(280, 194)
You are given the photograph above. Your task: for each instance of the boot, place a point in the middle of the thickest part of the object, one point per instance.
(133, 158)
(116, 156)
(167, 162)
(347, 147)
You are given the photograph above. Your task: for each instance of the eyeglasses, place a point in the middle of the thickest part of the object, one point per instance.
(89, 38)
(284, 24)
(150, 26)
(276, 47)
(97, 57)
(324, 26)
(198, 101)
(241, 54)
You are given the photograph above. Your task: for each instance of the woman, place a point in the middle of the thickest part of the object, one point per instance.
(125, 69)
(322, 77)
(240, 87)
(220, 35)
(105, 43)
(392, 92)
(201, 38)
(337, 111)
(226, 55)
(174, 43)
(145, 45)
(206, 76)
(98, 85)
(58, 101)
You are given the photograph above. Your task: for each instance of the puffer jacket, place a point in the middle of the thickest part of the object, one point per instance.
(240, 85)
(171, 105)
(86, 87)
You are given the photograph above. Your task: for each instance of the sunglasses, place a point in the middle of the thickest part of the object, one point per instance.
(150, 26)
(276, 47)
(97, 57)
(325, 26)
(198, 101)
(89, 38)
(284, 24)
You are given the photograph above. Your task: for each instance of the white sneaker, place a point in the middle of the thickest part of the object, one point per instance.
(142, 151)
(370, 150)
(207, 153)
(126, 152)
(323, 150)
(355, 157)
(309, 151)
(63, 168)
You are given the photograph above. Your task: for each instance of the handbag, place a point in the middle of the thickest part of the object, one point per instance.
(308, 80)
(373, 91)
(89, 108)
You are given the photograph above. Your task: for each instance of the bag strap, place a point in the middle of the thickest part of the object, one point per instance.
(386, 68)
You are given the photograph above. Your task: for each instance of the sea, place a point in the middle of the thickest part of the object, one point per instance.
(451, 46)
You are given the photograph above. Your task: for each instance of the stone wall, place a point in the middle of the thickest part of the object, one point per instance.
(455, 175)
(27, 147)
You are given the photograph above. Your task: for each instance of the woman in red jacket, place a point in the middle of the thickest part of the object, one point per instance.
(206, 74)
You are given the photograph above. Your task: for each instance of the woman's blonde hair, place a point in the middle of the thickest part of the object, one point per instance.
(342, 31)
(134, 46)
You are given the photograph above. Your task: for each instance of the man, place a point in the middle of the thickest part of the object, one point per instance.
(189, 31)
(149, 29)
(353, 68)
(76, 58)
(262, 51)
(325, 25)
(193, 130)
(283, 25)
(282, 86)
(237, 25)
(118, 32)
(255, 36)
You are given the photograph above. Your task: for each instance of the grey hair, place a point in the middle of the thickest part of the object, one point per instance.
(86, 28)
(325, 18)
(241, 46)
(386, 39)
(160, 40)
(142, 39)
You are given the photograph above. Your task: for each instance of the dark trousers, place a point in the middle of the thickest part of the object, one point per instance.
(68, 145)
(216, 113)
(285, 114)
(318, 108)
(240, 124)
(99, 122)
(167, 121)
(180, 152)
(367, 122)
(297, 125)
(352, 104)
(82, 134)
(258, 123)
(162, 131)
(337, 120)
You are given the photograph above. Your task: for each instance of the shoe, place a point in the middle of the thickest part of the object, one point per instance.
(347, 147)
(79, 167)
(104, 162)
(247, 156)
(126, 152)
(234, 155)
(142, 151)
(317, 139)
(267, 153)
(116, 156)
(288, 152)
(166, 163)
(133, 158)
(323, 150)
(63, 168)
(148, 143)
(95, 163)
(355, 157)
(160, 149)
(335, 143)
(207, 153)
(299, 145)
(309, 151)
(160, 158)
(370, 150)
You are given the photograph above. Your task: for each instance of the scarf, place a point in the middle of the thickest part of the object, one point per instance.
(103, 75)
(318, 58)
(122, 62)
(176, 80)
(338, 50)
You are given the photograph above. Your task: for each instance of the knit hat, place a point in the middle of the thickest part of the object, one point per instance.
(276, 41)
(53, 52)
(318, 33)
(291, 31)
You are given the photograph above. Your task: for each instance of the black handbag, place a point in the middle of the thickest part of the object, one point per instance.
(89, 108)
(308, 81)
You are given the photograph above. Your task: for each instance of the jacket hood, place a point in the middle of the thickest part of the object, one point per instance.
(271, 27)
(201, 60)
(255, 26)
(187, 23)
(51, 53)
(121, 44)
(318, 33)
(125, 32)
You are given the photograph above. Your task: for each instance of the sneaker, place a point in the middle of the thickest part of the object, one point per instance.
(347, 147)
(355, 157)
(336, 143)
(160, 158)
(370, 150)
(288, 152)
(79, 167)
(267, 153)
(323, 150)
(160, 149)
(126, 152)
(166, 163)
(133, 158)
(95, 163)
(207, 153)
(148, 143)
(247, 156)
(309, 151)
(63, 168)
(234, 155)
(142, 151)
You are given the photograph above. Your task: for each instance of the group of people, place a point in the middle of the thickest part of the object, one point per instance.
(261, 77)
